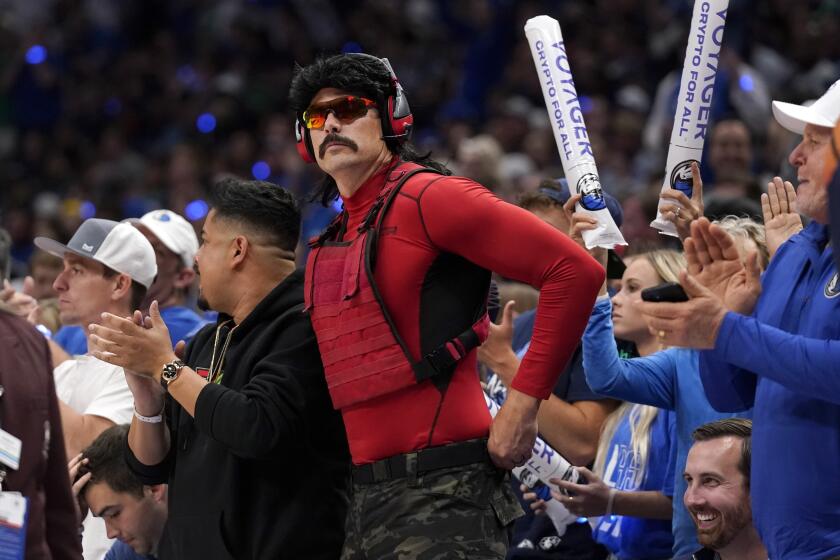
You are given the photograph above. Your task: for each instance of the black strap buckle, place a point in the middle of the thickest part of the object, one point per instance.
(438, 361)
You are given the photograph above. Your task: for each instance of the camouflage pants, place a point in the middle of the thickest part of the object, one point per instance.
(459, 512)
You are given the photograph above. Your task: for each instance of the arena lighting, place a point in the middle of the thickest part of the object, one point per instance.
(205, 123)
(196, 210)
(87, 210)
(261, 171)
(745, 82)
(36, 54)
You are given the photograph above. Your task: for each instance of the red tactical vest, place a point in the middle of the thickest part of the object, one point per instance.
(364, 356)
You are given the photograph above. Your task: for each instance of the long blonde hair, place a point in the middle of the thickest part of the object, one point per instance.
(641, 417)
(667, 263)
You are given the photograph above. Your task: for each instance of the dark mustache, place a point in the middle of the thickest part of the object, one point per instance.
(334, 138)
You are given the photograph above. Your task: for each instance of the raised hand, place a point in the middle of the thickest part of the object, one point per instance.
(20, 303)
(714, 262)
(781, 221)
(580, 222)
(684, 210)
(139, 345)
(497, 351)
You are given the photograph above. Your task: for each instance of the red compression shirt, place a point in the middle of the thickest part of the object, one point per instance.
(433, 214)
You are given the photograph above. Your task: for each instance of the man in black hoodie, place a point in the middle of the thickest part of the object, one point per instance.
(243, 429)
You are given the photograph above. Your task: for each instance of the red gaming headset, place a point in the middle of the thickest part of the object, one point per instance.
(396, 127)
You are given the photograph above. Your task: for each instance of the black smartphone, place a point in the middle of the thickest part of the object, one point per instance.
(669, 291)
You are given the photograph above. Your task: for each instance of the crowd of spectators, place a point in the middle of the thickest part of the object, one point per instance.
(113, 109)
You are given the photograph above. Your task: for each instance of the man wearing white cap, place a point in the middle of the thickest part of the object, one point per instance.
(175, 243)
(108, 267)
(778, 351)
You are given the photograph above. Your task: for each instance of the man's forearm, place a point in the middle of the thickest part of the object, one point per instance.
(573, 429)
(149, 442)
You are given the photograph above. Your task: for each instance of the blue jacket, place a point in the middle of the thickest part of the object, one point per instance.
(786, 360)
(667, 380)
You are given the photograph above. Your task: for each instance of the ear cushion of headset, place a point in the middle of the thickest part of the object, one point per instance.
(303, 144)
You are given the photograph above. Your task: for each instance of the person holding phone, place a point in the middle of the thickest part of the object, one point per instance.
(667, 378)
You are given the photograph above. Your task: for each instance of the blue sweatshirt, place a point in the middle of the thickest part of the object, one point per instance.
(667, 380)
(786, 360)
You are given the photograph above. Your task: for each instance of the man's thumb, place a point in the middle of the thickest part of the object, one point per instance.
(507, 313)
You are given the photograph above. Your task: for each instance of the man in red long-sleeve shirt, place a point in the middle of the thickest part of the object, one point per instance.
(396, 288)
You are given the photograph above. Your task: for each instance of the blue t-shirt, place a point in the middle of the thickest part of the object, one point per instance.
(636, 537)
(668, 379)
(72, 339)
(786, 360)
(182, 323)
(121, 551)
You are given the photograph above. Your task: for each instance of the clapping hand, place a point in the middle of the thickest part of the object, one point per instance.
(684, 210)
(778, 205)
(714, 261)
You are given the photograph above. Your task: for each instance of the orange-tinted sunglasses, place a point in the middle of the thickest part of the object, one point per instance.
(347, 109)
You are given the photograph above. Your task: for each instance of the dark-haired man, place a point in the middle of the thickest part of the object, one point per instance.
(717, 495)
(255, 457)
(133, 513)
(397, 290)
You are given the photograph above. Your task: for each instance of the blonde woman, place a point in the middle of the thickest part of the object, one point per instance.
(632, 483)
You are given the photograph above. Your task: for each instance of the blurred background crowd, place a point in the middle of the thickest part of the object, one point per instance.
(111, 109)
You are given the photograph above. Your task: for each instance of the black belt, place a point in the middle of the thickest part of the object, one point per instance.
(423, 460)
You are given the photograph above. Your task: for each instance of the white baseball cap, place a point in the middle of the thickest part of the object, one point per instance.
(822, 112)
(174, 231)
(117, 245)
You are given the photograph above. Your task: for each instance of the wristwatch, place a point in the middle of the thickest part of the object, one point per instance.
(169, 372)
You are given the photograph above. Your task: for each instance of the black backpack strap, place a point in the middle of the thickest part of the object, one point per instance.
(443, 359)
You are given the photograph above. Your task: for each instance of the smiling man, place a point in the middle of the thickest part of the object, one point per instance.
(397, 291)
(717, 474)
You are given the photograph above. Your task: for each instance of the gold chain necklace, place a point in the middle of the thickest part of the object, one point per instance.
(216, 367)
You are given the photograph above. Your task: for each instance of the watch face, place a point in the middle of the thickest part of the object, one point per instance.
(170, 370)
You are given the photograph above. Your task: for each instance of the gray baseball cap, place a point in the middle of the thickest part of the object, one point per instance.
(118, 245)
